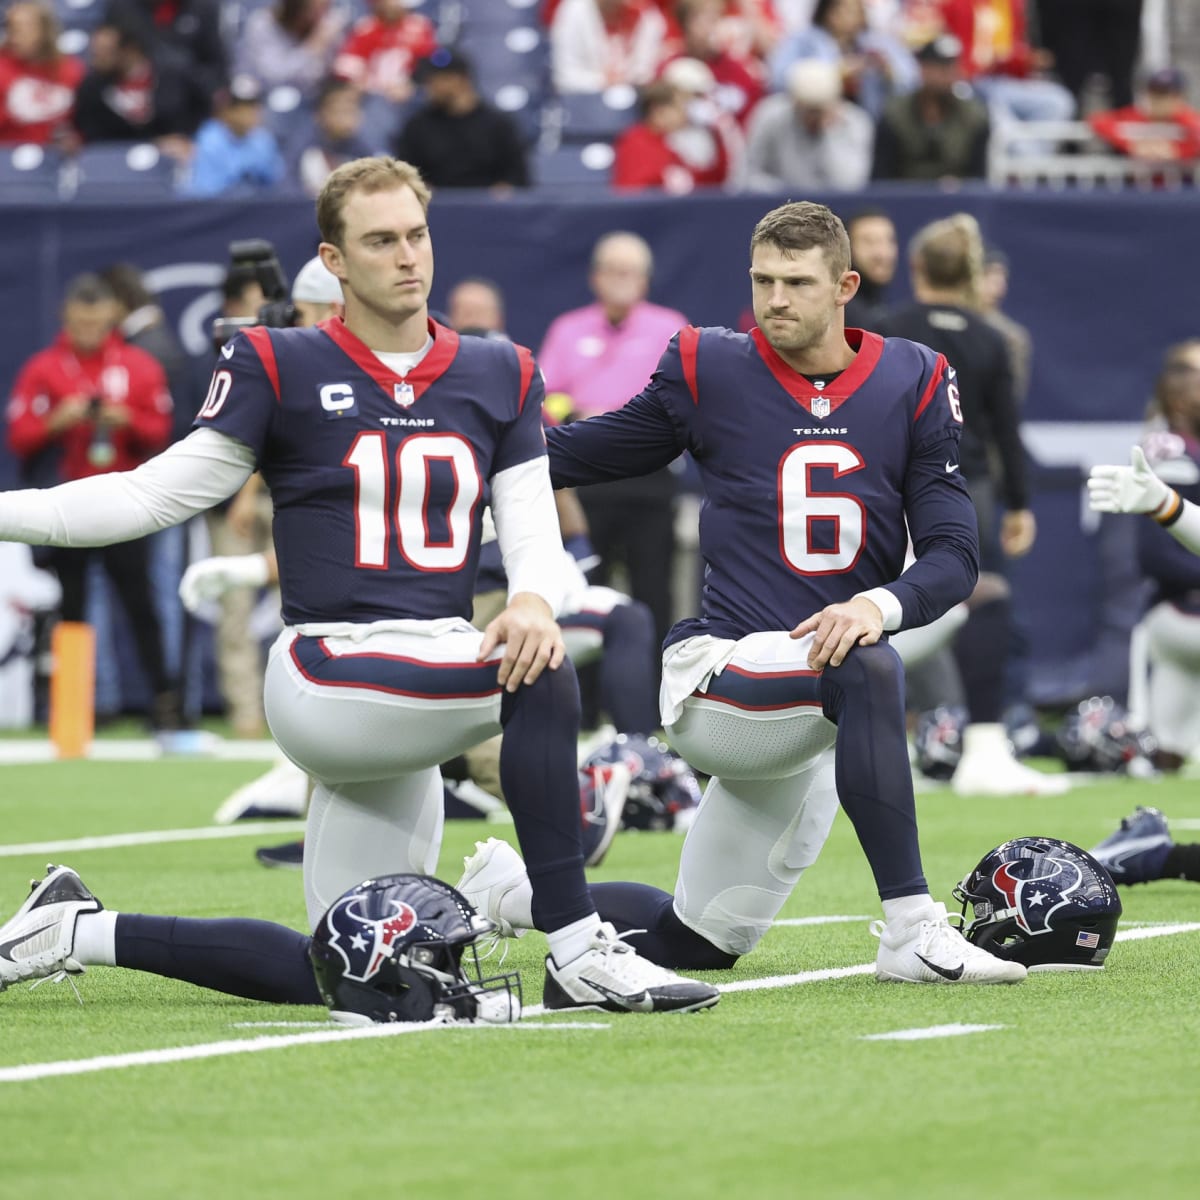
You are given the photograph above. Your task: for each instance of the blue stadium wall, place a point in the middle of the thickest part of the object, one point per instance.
(1105, 281)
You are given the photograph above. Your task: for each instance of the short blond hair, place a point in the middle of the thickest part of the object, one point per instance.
(378, 174)
(803, 225)
(949, 255)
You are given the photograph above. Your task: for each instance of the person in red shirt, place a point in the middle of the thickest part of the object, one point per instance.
(37, 83)
(644, 158)
(1163, 102)
(741, 78)
(382, 49)
(87, 404)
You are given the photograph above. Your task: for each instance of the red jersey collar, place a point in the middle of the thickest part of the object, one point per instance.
(427, 371)
(867, 346)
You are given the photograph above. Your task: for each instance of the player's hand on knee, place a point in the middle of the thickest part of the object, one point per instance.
(531, 638)
(838, 628)
(1132, 489)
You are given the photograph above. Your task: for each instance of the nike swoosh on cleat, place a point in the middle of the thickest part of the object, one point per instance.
(953, 974)
(5, 947)
(640, 1003)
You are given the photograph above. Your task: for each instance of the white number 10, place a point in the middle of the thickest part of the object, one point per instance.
(368, 458)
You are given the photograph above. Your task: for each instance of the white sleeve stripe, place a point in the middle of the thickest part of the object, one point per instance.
(527, 529)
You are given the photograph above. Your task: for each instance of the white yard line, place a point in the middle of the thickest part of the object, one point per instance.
(257, 1045)
(154, 837)
(837, 920)
(930, 1031)
(30, 751)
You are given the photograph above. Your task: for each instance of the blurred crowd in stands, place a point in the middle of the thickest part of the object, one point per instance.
(241, 96)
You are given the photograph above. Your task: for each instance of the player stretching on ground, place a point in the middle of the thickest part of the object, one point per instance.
(377, 436)
(816, 444)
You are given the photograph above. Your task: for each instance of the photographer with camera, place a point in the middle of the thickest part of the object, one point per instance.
(254, 293)
(88, 404)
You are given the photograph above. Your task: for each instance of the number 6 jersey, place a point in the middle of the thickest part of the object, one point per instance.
(807, 489)
(377, 481)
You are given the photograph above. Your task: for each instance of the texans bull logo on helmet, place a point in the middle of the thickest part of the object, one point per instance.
(364, 942)
(1036, 898)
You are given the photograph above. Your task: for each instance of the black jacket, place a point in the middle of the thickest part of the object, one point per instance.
(477, 150)
(979, 353)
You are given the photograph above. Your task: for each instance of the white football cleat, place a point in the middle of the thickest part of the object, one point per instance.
(281, 793)
(1005, 777)
(39, 940)
(989, 767)
(612, 976)
(497, 886)
(926, 948)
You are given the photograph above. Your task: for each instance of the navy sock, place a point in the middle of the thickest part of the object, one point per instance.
(629, 669)
(864, 697)
(255, 959)
(541, 787)
(981, 652)
(665, 939)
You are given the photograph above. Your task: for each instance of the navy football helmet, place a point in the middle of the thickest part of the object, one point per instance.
(663, 790)
(939, 740)
(1097, 736)
(1041, 902)
(392, 949)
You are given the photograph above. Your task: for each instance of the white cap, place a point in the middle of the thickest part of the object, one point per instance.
(689, 75)
(316, 284)
(814, 82)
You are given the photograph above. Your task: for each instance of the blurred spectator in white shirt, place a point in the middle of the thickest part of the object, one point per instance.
(595, 44)
(809, 137)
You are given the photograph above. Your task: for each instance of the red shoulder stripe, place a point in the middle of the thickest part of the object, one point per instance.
(689, 343)
(525, 359)
(260, 339)
(939, 369)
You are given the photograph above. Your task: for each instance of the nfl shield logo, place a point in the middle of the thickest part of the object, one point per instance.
(403, 394)
(820, 406)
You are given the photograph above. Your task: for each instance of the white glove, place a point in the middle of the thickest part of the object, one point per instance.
(211, 578)
(1133, 489)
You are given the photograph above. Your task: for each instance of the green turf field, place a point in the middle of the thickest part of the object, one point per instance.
(1084, 1091)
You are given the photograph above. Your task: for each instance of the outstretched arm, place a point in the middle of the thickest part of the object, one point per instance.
(1136, 489)
(185, 479)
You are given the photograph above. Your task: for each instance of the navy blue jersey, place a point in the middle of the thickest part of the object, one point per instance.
(1172, 567)
(806, 489)
(377, 482)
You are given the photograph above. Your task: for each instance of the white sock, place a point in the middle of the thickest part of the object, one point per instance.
(904, 908)
(987, 740)
(569, 942)
(96, 939)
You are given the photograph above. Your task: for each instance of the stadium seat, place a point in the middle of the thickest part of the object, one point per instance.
(382, 119)
(79, 14)
(586, 118)
(499, 16)
(117, 170)
(29, 173)
(286, 114)
(579, 168)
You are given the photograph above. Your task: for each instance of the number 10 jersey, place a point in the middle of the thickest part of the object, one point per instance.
(378, 481)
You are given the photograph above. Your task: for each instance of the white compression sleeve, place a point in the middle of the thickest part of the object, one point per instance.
(1186, 531)
(527, 529)
(187, 478)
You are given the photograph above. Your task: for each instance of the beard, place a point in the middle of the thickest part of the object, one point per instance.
(794, 335)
